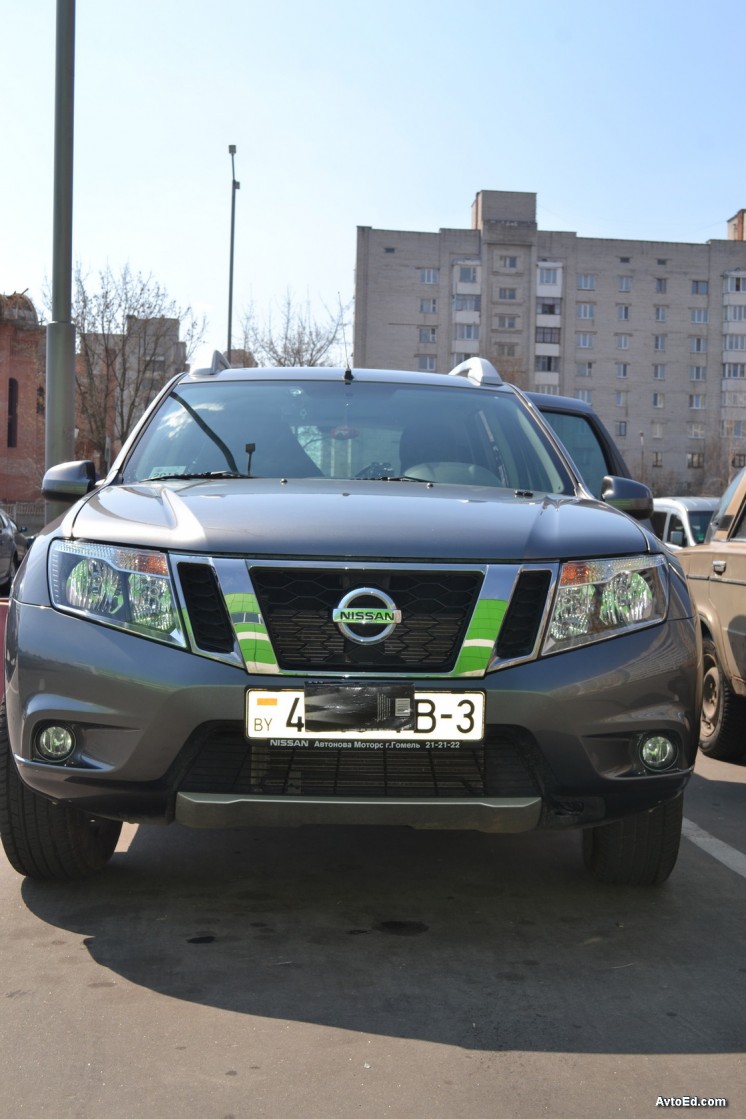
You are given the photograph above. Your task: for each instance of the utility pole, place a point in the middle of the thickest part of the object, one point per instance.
(60, 379)
(234, 187)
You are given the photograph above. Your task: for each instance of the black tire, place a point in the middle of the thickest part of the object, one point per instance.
(721, 730)
(44, 840)
(639, 850)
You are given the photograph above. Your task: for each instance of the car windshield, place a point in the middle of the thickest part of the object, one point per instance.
(699, 519)
(289, 428)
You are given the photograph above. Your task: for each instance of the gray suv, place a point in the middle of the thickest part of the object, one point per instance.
(342, 596)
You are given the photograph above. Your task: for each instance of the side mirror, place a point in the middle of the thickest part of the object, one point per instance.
(67, 481)
(676, 537)
(628, 496)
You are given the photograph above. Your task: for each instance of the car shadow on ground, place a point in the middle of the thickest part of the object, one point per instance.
(483, 942)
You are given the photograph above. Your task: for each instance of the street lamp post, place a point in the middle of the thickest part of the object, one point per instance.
(234, 187)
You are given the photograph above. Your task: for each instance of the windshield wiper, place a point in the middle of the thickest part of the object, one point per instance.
(192, 477)
(396, 478)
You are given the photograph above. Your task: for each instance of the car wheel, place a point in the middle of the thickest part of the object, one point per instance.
(44, 840)
(721, 733)
(639, 850)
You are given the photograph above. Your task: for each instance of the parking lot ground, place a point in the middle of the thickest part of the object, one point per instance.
(336, 972)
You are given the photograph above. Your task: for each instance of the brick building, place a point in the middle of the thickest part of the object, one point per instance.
(22, 363)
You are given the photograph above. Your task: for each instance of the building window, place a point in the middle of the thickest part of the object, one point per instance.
(699, 345)
(507, 349)
(508, 261)
(586, 281)
(584, 394)
(698, 315)
(734, 312)
(733, 341)
(620, 399)
(548, 275)
(738, 461)
(507, 322)
(659, 342)
(697, 372)
(656, 430)
(12, 412)
(696, 401)
(622, 369)
(584, 341)
(585, 310)
(624, 259)
(657, 459)
(622, 341)
(543, 363)
(467, 274)
(427, 334)
(467, 331)
(658, 400)
(426, 363)
(695, 460)
(620, 429)
(732, 370)
(734, 283)
(507, 293)
(661, 285)
(661, 263)
(389, 250)
(660, 314)
(695, 431)
(428, 306)
(622, 312)
(429, 276)
(467, 303)
(700, 287)
(659, 372)
(546, 306)
(549, 334)
(625, 283)
(583, 368)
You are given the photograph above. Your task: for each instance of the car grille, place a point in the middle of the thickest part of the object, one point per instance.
(297, 603)
(226, 763)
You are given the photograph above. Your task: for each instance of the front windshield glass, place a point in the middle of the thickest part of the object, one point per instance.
(332, 429)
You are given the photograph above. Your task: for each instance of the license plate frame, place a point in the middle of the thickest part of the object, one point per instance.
(344, 715)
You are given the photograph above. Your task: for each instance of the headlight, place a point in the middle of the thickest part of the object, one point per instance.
(597, 599)
(122, 587)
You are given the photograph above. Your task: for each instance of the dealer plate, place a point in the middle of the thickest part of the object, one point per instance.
(387, 713)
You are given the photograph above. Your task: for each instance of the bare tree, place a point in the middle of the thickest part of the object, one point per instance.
(296, 338)
(129, 343)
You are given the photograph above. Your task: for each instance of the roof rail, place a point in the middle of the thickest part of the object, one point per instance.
(218, 364)
(478, 370)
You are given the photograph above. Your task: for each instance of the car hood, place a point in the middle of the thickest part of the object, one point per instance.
(353, 519)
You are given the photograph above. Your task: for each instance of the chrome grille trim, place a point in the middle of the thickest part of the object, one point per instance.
(253, 648)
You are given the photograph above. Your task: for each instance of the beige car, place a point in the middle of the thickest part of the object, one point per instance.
(716, 571)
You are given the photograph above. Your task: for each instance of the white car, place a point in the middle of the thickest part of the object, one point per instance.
(681, 522)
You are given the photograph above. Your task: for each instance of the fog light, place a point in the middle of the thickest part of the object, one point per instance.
(55, 744)
(657, 751)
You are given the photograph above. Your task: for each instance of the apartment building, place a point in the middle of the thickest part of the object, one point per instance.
(652, 334)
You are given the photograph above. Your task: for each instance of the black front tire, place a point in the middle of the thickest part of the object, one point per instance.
(638, 850)
(721, 730)
(44, 840)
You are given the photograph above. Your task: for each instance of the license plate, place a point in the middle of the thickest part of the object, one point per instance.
(385, 714)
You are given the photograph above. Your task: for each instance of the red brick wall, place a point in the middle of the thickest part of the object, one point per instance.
(22, 347)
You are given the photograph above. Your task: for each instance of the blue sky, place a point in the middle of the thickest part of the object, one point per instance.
(626, 121)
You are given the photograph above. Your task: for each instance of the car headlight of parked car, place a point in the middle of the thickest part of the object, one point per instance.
(597, 599)
(124, 587)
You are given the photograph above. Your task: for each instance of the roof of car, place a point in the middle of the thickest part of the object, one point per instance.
(686, 502)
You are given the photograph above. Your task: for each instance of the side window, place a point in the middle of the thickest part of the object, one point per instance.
(676, 534)
(658, 521)
(583, 447)
(739, 532)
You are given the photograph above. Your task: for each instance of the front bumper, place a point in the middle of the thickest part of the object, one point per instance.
(143, 714)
